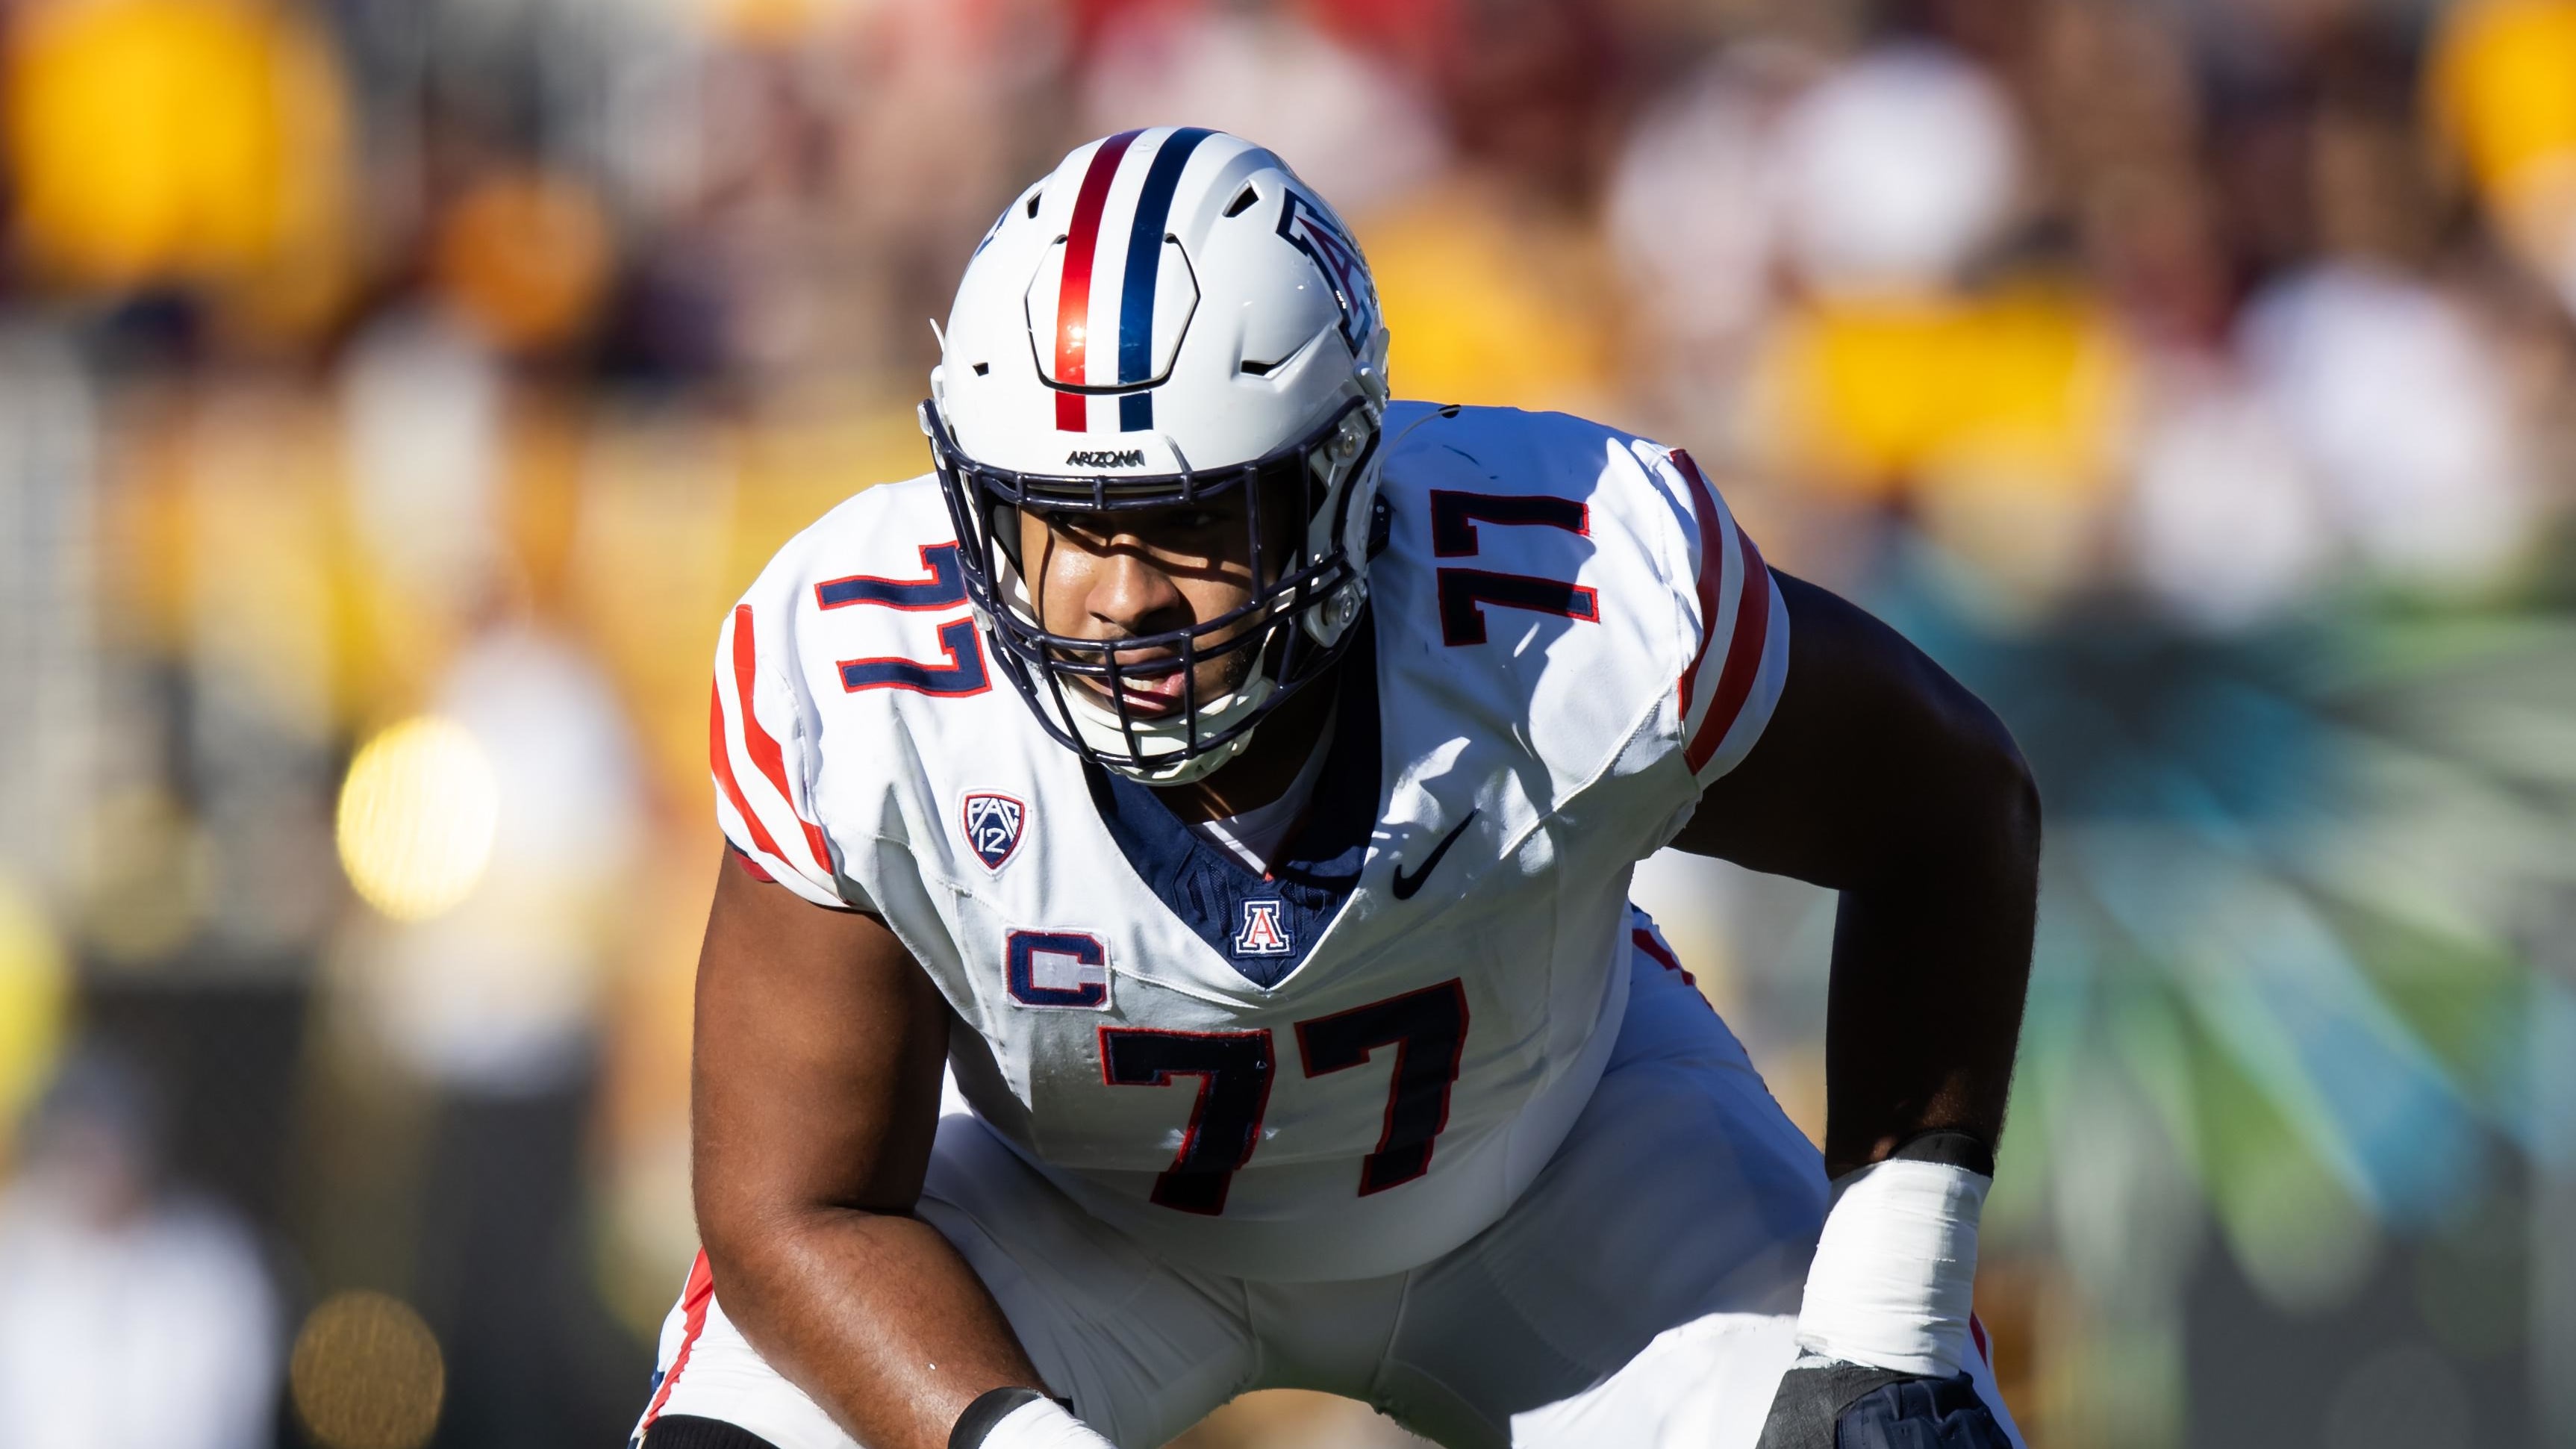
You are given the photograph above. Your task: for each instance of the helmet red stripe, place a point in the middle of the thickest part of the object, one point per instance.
(1073, 300)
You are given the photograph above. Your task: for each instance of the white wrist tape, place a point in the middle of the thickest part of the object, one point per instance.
(1896, 1267)
(1042, 1424)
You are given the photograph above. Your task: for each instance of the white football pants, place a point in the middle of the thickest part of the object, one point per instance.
(1642, 1293)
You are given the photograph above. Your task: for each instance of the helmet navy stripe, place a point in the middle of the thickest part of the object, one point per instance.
(1145, 257)
(1073, 295)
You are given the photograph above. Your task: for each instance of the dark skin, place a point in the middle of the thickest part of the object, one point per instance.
(820, 1042)
(1882, 778)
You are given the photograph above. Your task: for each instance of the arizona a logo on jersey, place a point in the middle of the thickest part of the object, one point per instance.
(1262, 933)
(993, 825)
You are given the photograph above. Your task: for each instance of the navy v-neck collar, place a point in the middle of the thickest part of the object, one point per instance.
(1263, 925)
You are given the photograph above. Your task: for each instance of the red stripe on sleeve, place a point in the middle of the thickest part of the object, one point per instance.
(722, 760)
(693, 1322)
(1743, 655)
(1073, 296)
(1712, 529)
(757, 743)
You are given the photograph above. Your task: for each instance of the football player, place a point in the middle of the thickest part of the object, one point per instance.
(1234, 777)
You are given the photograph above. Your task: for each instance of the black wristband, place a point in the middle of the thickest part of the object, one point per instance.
(991, 1407)
(1949, 1147)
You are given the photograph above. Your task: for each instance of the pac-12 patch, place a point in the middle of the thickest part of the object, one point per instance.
(994, 824)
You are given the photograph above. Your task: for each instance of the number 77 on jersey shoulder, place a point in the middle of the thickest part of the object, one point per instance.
(943, 587)
(1465, 593)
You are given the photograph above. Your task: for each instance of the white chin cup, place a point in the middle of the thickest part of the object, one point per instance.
(1042, 1424)
(1160, 741)
(1896, 1268)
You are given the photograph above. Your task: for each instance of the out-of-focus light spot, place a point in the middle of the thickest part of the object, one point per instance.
(32, 981)
(416, 818)
(367, 1374)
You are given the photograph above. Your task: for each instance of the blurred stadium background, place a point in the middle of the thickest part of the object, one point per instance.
(393, 393)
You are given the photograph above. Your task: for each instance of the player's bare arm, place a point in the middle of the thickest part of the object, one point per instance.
(814, 1095)
(1881, 777)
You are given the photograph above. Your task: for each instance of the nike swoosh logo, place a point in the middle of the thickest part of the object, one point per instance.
(1406, 885)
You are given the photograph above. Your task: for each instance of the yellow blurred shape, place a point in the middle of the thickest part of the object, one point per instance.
(1872, 393)
(367, 1374)
(2503, 81)
(1485, 307)
(33, 978)
(416, 818)
(525, 257)
(159, 139)
(772, 22)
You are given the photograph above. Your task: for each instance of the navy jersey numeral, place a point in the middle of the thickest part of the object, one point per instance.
(963, 672)
(945, 586)
(1465, 592)
(1454, 517)
(1234, 1070)
(1428, 1029)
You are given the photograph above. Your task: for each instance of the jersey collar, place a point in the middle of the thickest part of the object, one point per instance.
(1264, 926)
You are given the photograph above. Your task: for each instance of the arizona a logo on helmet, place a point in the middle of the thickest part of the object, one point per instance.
(1338, 258)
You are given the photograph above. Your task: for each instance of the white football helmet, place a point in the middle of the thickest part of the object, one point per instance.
(1240, 347)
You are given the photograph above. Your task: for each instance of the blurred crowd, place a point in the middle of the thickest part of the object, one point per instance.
(393, 394)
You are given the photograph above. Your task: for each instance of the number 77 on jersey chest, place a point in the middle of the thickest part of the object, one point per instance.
(1233, 1071)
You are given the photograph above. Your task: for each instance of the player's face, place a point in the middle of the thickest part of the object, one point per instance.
(1145, 572)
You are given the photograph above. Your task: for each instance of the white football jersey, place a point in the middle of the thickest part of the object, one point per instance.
(1356, 1062)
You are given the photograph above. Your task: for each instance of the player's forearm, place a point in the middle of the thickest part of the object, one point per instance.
(874, 1315)
(1931, 961)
